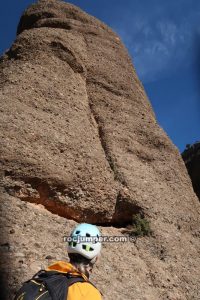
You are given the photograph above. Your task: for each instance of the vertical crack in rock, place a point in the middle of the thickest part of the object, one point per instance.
(65, 54)
(102, 137)
(125, 207)
(101, 132)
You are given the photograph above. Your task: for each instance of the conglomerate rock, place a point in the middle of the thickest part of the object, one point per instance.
(80, 142)
(191, 157)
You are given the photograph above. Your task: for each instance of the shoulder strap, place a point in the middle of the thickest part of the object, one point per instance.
(57, 283)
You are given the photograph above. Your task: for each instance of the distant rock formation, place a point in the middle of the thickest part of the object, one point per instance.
(191, 157)
(80, 142)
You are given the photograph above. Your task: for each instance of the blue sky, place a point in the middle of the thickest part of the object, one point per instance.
(163, 39)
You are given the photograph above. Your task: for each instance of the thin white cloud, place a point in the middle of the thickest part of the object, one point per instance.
(158, 43)
(169, 32)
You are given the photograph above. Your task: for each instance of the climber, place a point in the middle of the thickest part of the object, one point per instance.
(83, 255)
(68, 280)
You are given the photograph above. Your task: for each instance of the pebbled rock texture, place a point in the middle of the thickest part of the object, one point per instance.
(80, 142)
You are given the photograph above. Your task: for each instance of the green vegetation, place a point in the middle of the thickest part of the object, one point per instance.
(140, 226)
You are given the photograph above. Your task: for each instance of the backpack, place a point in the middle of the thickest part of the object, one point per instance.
(48, 285)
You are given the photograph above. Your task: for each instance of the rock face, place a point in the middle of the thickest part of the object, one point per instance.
(191, 157)
(80, 142)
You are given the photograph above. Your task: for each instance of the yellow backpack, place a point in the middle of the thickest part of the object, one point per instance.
(48, 285)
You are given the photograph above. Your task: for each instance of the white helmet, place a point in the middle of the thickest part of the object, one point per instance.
(85, 241)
